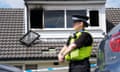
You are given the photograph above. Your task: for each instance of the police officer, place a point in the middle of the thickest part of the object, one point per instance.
(79, 46)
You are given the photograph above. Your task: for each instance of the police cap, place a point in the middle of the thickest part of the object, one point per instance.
(78, 18)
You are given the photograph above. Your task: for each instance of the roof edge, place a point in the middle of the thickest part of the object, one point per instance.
(65, 2)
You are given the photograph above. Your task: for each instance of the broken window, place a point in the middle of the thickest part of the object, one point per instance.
(94, 18)
(29, 38)
(59, 18)
(36, 18)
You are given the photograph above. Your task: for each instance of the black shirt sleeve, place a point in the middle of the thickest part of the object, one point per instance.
(71, 36)
(84, 40)
(68, 41)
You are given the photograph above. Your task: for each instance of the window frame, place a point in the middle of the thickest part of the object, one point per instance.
(65, 21)
(88, 14)
(44, 20)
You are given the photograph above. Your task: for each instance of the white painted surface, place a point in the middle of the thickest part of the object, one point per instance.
(25, 18)
(66, 2)
(96, 33)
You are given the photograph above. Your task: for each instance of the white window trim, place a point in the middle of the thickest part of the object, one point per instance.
(52, 29)
(43, 19)
(25, 18)
(65, 17)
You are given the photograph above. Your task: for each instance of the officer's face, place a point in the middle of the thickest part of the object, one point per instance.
(78, 26)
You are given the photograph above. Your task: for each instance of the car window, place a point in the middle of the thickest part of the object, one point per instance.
(101, 56)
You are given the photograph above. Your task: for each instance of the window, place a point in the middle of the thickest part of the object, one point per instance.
(73, 12)
(59, 18)
(94, 18)
(54, 19)
(101, 54)
(31, 66)
(36, 18)
(29, 38)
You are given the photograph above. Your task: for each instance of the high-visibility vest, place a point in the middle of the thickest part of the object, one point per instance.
(78, 53)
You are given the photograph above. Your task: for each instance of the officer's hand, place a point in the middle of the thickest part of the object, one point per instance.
(61, 58)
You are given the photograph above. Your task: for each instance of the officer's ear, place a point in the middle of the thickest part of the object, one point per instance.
(82, 23)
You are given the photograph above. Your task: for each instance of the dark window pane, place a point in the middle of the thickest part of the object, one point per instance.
(73, 12)
(94, 18)
(54, 19)
(36, 18)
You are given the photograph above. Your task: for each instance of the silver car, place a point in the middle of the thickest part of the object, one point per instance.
(109, 52)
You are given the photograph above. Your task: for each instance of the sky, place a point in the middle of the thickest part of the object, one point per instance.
(20, 4)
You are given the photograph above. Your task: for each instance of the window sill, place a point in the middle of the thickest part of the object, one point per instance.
(93, 28)
(53, 29)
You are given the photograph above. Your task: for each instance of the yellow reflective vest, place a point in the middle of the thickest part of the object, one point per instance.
(78, 53)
